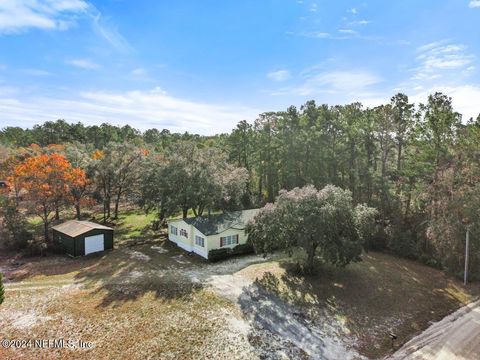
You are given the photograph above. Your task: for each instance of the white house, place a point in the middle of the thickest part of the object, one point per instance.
(203, 234)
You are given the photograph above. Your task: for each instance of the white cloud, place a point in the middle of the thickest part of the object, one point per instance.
(359, 22)
(346, 80)
(332, 82)
(279, 75)
(104, 27)
(140, 109)
(474, 4)
(316, 34)
(8, 90)
(20, 15)
(348, 31)
(83, 63)
(464, 98)
(314, 7)
(343, 34)
(436, 59)
(352, 10)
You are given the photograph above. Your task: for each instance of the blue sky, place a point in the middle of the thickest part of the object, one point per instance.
(202, 66)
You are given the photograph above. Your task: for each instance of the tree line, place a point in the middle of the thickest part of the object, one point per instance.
(418, 165)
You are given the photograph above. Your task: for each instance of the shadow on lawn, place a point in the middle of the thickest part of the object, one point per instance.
(268, 314)
(24, 268)
(124, 237)
(380, 294)
(127, 274)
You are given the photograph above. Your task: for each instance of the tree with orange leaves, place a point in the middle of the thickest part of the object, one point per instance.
(78, 188)
(48, 180)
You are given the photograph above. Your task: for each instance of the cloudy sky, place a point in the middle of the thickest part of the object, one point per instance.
(202, 66)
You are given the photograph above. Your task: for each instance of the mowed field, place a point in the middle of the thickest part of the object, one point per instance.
(153, 300)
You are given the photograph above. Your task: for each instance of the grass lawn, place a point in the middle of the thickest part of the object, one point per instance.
(134, 225)
(130, 227)
(132, 303)
(155, 301)
(380, 294)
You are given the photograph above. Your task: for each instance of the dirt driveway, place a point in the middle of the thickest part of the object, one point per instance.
(455, 337)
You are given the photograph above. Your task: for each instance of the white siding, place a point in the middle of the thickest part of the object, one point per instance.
(182, 241)
(202, 251)
(214, 240)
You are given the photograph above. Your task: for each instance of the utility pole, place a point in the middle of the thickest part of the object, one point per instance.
(467, 245)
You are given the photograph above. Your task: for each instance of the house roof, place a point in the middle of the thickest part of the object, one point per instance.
(219, 223)
(74, 228)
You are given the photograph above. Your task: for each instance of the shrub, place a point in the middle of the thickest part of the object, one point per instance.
(242, 249)
(218, 254)
(402, 241)
(223, 253)
(365, 224)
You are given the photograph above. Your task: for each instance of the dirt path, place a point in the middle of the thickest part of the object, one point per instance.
(457, 336)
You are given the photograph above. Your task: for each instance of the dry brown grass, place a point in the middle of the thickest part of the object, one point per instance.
(370, 298)
(128, 307)
(140, 303)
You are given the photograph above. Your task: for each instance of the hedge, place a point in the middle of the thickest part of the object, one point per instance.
(223, 253)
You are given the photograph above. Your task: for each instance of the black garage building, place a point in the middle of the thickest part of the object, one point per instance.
(83, 237)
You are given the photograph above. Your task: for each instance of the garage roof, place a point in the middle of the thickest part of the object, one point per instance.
(74, 228)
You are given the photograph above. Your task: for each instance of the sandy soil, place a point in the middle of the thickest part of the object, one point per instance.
(457, 336)
(160, 293)
(277, 329)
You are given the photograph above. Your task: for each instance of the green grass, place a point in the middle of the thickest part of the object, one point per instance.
(131, 225)
(135, 225)
(135, 221)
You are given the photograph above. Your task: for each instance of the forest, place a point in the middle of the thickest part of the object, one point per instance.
(417, 164)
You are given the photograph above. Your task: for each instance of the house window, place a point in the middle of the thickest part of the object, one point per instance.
(173, 230)
(184, 233)
(228, 240)
(199, 241)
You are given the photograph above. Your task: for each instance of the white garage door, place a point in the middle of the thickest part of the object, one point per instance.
(94, 243)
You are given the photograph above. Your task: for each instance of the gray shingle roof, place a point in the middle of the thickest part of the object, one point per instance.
(219, 223)
(74, 228)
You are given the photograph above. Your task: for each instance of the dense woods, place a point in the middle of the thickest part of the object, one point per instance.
(418, 165)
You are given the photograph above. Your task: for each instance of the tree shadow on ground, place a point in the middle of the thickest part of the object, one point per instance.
(371, 298)
(20, 268)
(129, 273)
(277, 327)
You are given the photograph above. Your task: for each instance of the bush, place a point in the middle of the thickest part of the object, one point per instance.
(364, 218)
(402, 241)
(431, 261)
(242, 249)
(223, 253)
(218, 254)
